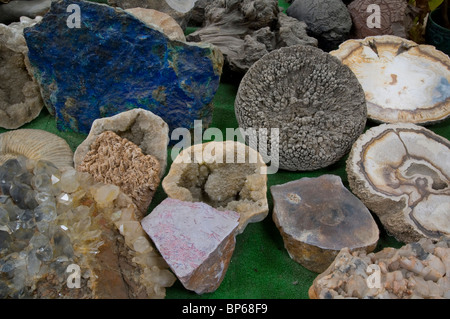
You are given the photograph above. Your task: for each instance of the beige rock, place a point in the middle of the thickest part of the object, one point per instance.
(226, 175)
(400, 172)
(414, 275)
(160, 21)
(142, 127)
(20, 98)
(115, 160)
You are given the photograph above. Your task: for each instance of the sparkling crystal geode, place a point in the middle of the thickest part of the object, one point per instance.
(64, 236)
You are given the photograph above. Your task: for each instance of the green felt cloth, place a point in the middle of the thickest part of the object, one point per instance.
(260, 266)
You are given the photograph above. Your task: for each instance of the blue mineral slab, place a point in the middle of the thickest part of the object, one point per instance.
(113, 63)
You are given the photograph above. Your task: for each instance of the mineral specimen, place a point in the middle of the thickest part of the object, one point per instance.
(138, 67)
(13, 11)
(415, 271)
(401, 173)
(317, 217)
(328, 20)
(181, 18)
(115, 160)
(247, 30)
(143, 128)
(316, 102)
(60, 231)
(37, 145)
(393, 18)
(196, 240)
(226, 175)
(156, 19)
(403, 81)
(20, 99)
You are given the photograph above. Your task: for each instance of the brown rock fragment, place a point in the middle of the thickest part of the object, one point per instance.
(115, 160)
(196, 240)
(317, 217)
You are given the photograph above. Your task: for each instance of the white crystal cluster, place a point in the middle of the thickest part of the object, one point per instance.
(417, 270)
(51, 219)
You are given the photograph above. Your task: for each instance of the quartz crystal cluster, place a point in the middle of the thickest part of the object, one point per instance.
(64, 236)
(416, 270)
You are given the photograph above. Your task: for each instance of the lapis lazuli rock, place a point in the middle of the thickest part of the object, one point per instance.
(113, 63)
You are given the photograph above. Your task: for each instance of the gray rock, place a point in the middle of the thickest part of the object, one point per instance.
(328, 20)
(246, 30)
(12, 11)
(20, 99)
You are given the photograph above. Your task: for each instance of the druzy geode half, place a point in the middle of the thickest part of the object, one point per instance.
(115, 62)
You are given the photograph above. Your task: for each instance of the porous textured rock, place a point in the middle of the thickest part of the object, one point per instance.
(72, 230)
(328, 20)
(317, 217)
(139, 67)
(37, 145)
(247, 30)
(142, 127)
(160, 20)
(316, 102)
(395, 18)
(196, 240)
(20, 99)
(115, 160)
(402, 81)
(417, 270)
(226, 175)
(401, 173)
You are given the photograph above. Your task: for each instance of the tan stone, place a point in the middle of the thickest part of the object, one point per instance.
(142, 127)
(212, 173)
(115, 160)
(160, 21)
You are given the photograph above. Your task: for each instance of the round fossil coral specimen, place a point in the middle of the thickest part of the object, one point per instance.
(225, 175)
(316, 102)
(37, 145)
(403, 81)
(401, 172)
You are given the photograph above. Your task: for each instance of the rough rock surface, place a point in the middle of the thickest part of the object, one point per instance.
(247, 30)
(196, 240)
(419, 270)
(14, 10)
(20, 99)
(401, 173)
(394, 18)
(160, 20)
(317, 217)
(142, 127)
(226, 175)
(138, 67)
(181, 18)
(328, 20)
(115, 160)
(316, 102)
(51, 220)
